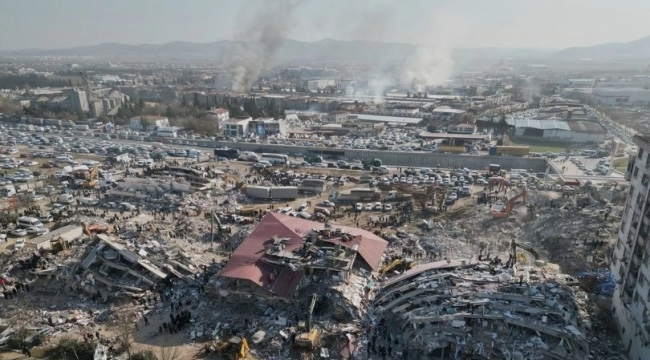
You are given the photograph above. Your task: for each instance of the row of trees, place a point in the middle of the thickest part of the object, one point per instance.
(32, 81)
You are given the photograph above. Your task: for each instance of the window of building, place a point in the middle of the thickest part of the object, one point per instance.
(639, 201)
(636, 296)
(647, 162)
(640, 154)
(636, 171)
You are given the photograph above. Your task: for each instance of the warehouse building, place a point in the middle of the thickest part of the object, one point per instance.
(45, 241)
(558, 130)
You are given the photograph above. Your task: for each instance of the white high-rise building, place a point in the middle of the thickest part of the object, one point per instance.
(630, 261)
(79, 101)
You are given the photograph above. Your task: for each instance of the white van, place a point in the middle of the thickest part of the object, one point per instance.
(87, 201)
(27, 221)
(65, 199)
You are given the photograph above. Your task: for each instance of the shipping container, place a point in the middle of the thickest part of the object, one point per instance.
(35, 121)
(284, 192)
(81, 127)
(315, 186)
(257, 192)
(54, 122)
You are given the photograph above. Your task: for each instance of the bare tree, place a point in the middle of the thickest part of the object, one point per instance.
(168, 352)
(123, 326)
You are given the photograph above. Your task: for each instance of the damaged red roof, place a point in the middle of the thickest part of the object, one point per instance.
(246, 262)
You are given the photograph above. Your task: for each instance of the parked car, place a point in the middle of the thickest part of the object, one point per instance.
(18, 232)
(20, 243)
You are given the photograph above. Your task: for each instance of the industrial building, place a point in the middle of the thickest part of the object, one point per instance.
(65, 234)
(630, 260)
(558, 130)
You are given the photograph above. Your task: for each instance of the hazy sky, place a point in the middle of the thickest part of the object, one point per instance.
(52, 24)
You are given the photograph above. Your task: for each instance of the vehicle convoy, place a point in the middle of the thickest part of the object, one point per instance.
(509, 150)
(500, 210)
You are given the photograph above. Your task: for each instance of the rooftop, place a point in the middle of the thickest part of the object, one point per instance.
(389, 119)
(251, 261)
(539, 124)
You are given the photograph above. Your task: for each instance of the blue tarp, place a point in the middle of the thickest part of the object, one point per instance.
(601, 281)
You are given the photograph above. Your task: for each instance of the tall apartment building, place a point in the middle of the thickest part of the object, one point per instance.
(79, 101)
(630, 261)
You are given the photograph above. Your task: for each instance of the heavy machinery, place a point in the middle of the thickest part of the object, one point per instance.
(309, 335)
(92, 177)
(97, 229)
(398, 264)
(236, 182)
(236, 348)
(501, 210)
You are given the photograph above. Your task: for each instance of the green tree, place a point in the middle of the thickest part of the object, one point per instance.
(169, 112)
(196, 100)
(183, 100)
(163, 81)
(140, 104)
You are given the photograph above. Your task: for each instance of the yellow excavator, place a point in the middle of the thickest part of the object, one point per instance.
(236, 348)
(92, 178)
(309, 335)
(398, 264)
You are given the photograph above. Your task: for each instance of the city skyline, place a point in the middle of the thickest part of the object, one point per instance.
(556, 24)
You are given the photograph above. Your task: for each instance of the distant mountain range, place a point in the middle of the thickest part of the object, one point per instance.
(634, 49)
(332, 50)
(288, 50)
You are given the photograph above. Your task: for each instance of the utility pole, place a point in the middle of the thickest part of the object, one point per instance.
(211, 229)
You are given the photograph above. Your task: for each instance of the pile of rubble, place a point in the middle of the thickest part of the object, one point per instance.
(458, 309)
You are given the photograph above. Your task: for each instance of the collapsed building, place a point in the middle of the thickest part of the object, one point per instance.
(476, 310)
(285, 252)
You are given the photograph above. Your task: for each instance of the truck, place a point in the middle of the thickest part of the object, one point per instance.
(313, 158)
(81, 127)
(226, 153)
(257, 192)
(284, 192)
(368, 164)
(313, 186)
(509, 150)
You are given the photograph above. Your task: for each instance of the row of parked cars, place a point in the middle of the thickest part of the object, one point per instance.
(377, 206)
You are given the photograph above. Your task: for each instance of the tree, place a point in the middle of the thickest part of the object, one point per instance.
(163, 81)
(123, 328)
(183, 100)
(169, 112)
(196, 100)
(169, 353)
(140, 104)
(144, 355)
(408, 94)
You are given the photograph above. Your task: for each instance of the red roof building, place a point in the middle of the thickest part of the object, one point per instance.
(281, 246)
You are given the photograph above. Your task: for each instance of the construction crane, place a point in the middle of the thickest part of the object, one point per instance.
(500, 210)
(92, 178)
(309, 335)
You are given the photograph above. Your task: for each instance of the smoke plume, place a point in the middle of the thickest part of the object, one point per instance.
(432, 62)
(255, 46)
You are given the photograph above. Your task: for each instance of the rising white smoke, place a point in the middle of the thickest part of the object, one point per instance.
(256, 44)
(432, 62)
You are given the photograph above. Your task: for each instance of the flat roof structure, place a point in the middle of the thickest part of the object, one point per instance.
(430, 135)
(539, 124)
(390, 119)
(67, 233)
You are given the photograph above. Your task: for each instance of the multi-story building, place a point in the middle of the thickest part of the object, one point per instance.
(630, 261)
(148, 122)
(79, 101)
(237, 126)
